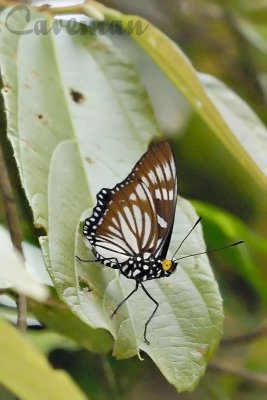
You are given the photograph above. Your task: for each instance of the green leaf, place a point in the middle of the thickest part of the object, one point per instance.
(233, 228)
(231, 225)
(56, 314)
(46, 341)
(173, 62)
(33, 373)
(8, 48)
(188, 323)
(35, 263)
(254, 32)
(42, 124)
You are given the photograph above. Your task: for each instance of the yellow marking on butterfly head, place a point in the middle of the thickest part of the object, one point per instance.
(166, 265)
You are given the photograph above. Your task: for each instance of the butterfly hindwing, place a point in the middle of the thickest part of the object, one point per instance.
(136, 216)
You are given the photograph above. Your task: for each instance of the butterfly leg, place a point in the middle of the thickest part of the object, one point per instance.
(92, 261)
(126, 298)
(85, 261)
(153, 313)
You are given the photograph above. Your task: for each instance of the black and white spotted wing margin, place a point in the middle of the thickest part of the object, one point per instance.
(135, 218)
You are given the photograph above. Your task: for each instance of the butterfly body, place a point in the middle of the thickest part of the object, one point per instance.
(140, 269)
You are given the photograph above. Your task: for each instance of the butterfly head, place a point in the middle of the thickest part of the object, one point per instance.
(169, 266)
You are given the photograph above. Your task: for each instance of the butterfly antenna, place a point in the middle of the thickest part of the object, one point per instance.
(199, 219)
(212, 251)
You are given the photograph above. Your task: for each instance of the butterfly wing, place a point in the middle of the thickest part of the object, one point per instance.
(163, 186)
(136, 216)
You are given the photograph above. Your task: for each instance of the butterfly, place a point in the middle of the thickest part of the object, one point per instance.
(131, 225)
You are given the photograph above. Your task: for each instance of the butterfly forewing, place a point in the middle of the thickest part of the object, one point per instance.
(163, 186)
(136, 216)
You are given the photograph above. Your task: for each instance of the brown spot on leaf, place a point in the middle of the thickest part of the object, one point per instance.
(95, 44)
(42, 118)
(201, 351)
(76, 96)
(6, 88)
(34, 74)
(89, 160)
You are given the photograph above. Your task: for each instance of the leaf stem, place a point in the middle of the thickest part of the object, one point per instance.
(110, 378)
(4, 291)
(15, 231)
(248, 376)
(90, 10)
(246, 338)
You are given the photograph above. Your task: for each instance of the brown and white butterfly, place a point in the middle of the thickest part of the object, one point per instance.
(131, 225)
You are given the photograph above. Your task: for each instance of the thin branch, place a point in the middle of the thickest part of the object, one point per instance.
(3, 292)
(248, 376)
(90, 8)
(15, 232)
(246, 338)
(109, 374)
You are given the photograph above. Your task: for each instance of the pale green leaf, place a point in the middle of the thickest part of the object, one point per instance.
(234, 229)
(42, 123)
(8, 48)
(25, 372)
(35, 263)
(13, 271)
(113, 120)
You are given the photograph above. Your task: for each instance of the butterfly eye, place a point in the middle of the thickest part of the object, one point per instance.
(166, 265)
